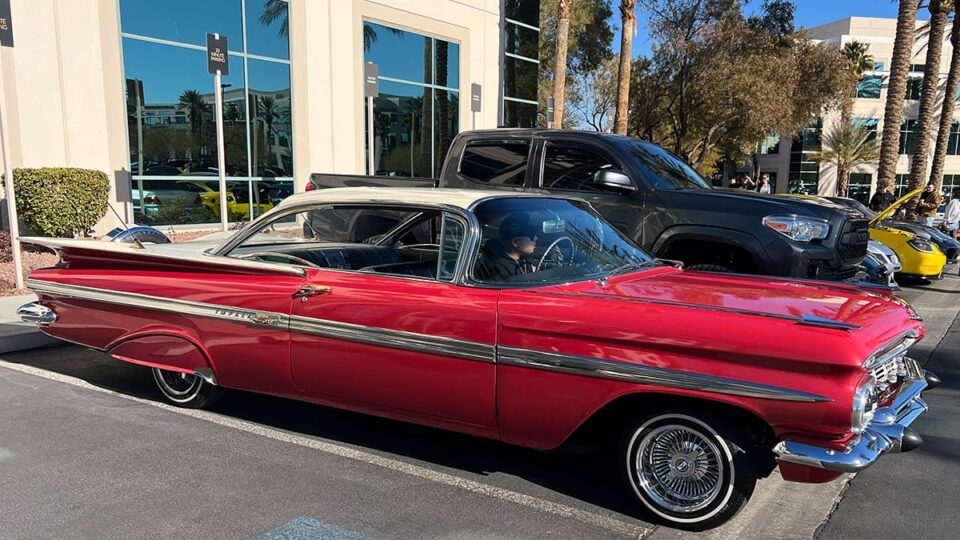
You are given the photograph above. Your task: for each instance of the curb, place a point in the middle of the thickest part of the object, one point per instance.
(25, 338)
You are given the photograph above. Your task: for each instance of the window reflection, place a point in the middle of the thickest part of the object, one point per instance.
(400, 54)
(183, 21)
(271, 130)
(517, 114)
(519, 79)
(268, 28)
(403, 128)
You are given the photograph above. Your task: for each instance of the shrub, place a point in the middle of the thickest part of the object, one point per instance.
(61, 201)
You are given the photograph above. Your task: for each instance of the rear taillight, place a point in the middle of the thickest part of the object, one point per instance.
(310, 187)
(151, 199)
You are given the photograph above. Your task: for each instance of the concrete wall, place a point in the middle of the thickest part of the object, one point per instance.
(64, 89)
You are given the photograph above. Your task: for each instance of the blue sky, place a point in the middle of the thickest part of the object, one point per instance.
(809, 13)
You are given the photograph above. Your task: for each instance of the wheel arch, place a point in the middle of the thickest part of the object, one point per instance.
(165, 348)
(676, 241)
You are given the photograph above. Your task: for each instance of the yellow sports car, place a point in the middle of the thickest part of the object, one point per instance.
(237, 199)
(918, 257)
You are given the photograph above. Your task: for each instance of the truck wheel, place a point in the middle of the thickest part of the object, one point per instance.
(186, 390)
(710, 268)
(688, 473)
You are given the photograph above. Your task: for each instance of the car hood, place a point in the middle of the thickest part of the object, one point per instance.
(889, 211)
(761, 204)
(762, 296)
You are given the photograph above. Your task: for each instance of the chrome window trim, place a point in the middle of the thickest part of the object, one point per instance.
(642, 374)
(891, 349)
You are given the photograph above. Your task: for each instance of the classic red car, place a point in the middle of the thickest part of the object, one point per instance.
(519, 317)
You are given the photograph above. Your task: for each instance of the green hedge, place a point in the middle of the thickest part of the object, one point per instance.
(61, 201)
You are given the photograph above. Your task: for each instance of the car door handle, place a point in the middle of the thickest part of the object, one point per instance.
(308, 291)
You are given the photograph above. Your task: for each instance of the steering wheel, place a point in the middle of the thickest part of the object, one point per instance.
(265, 256)
(551, 259)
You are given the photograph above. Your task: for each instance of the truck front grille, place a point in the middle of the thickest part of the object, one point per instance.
(853, 240)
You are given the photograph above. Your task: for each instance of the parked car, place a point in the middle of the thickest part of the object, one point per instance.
(919, 258)
(656, 200)
(881, 264)
(420, 312)
(949, 246)
(238, 199)
(157, 193)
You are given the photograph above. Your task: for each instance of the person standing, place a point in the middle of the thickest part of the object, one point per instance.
(881, 199)
(930, 201)
(747, 183)
(763, 186)
(951, 215)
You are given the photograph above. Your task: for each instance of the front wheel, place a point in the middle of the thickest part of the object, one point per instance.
(185, 389)
(688, 473)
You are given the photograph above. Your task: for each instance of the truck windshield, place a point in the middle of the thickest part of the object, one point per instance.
(543, 241)
(663, 169)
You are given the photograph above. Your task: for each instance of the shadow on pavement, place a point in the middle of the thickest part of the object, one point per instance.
(587, 476)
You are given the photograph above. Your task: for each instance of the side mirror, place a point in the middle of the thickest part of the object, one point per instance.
(614, 180)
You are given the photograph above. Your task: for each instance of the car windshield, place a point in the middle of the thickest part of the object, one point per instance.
(663, 169)
(541, 241)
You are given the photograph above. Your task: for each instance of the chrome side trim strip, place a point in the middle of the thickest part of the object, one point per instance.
(624, 371)
(143, 301)
(394, 338)
(822, 322)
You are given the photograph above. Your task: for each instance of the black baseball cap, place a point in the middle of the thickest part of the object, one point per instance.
(516, 225)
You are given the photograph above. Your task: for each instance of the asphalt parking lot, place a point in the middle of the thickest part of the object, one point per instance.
(88, 451)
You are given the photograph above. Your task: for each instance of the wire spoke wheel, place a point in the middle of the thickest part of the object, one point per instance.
(679, 468)
(176, 385)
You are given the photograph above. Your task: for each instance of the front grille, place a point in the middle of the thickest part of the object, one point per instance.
(853, 240)
(890, 373)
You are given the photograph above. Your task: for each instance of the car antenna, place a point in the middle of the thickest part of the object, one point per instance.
(123, 223)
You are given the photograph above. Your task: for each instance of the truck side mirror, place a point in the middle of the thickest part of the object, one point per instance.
(614, 180)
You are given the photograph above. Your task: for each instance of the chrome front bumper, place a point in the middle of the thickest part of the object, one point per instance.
(36, 313)
(889, 431)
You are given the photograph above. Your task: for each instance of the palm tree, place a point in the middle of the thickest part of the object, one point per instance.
(629, 26)
(847, 146)
(273, 11)
(949, 103)
(560, 60)
(896, 92)
(939, 9)
(861, 60)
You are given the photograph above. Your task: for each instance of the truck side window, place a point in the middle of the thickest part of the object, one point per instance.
(572, 167)
(496, 162)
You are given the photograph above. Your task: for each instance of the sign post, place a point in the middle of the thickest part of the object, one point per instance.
(371, 89)
(550, 111)
(6, 40)
(217, 65)
(475, 91)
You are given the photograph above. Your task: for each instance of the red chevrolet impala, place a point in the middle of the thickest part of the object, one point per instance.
(519, 317)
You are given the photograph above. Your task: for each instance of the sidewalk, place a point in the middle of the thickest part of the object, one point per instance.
(16, 335)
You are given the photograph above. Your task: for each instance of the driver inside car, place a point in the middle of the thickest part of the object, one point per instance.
(512, 252)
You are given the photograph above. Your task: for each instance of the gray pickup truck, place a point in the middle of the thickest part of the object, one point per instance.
(656, 199)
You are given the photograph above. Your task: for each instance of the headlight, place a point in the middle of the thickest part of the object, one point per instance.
(798, 228)
(864, 403)
(921, 245)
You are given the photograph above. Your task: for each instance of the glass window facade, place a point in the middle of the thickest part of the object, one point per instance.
(914, 88)
(521, 29)
(869, 87)
(858, 187)
(908, 137)
(804, 173)
(953, 144)
(770, 145)
(900, 183)
(950, 182)
(869, 123)
(170, 108)
(417, 112)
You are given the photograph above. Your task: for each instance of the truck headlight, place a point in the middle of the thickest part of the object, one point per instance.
(864, 404)
(801, 229)
(920, 245)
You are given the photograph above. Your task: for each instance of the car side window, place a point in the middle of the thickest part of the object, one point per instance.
(496, 162)
(572, 168)
(452, 235)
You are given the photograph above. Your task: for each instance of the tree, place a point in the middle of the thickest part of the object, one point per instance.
(896, 92)
(627, 29)
(939, 9)
(588, 44)
(847, 146)
(560, 65)
(861, 60)
(949, 103)
(593, 97)
(775, 18)
(274, 11)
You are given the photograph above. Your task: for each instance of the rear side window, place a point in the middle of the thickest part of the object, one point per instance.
(500, 163)
(573, 168)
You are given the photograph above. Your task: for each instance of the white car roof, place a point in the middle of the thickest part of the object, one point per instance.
(459, 198)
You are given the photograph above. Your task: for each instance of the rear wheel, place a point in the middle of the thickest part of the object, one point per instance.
(689, 473)
(185, 389)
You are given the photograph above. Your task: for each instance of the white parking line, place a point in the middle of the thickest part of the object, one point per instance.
(628, 529)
